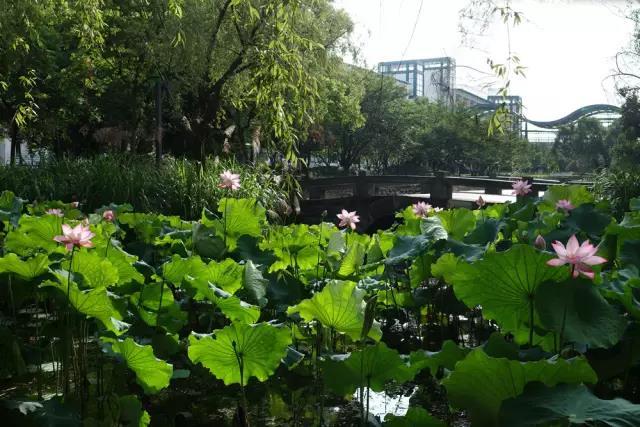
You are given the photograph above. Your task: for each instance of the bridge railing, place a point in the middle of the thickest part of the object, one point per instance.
(439, 186)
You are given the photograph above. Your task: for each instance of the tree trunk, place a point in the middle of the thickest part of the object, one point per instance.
(14, 147)
(158, 121)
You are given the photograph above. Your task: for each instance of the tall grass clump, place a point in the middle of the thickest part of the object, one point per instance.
(175, 186)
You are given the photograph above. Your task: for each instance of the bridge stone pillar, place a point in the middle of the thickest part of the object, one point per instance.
(441, 190)
(316, 193)
(362, 186)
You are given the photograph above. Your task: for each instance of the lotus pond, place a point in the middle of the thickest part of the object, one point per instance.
(499, 316)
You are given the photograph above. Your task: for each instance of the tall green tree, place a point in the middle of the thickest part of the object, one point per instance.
(582, 147)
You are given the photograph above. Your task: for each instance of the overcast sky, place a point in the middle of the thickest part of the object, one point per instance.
(568, 46)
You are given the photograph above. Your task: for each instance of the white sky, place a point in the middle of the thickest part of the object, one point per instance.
(568, 46)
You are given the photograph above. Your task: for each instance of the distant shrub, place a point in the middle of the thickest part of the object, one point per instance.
(618, 188)
(176, 186)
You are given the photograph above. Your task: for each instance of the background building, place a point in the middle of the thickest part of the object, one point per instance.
(434, 78)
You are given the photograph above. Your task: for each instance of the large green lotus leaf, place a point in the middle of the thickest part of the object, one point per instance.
(97, 271)
(589, 317)
(497, 346)
(433, 228)
(420, 270)
(415, 417)
(480, 383)
(295, 246)
(175, 270)
(34, 234)
(226, 274)
(27, 269)
(124, 263)
(624, 285)
(206, 242)
(352, 260)
(406, 248)
(566, 405)
(374, 366)
(486, 231)
(254, 284)
(131, 412)
(92, 303)
(336, 244)
(244, 217)
(147, 226)
(634, 204)
(232, 307)
(588, 219)
(446, 358)
(445, 267)
(152, 373)
(10, 207)
(260, 347)
(457, 222)
(339, 306)
(505, 284)
(156, 312)
(630, 253)
(410, 222)
(576, 194)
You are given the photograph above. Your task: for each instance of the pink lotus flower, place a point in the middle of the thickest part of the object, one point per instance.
(348, 219)
(229, 180)
(422, 209)
(480, 202)
(79, 236)
(521, 188)
(108, 215)
(564, 205)
(581, 257)
(540, 243)
(56, 212)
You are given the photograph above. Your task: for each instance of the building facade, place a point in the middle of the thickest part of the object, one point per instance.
(434, 78)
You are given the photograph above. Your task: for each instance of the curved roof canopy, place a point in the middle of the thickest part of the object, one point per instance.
(585, 111)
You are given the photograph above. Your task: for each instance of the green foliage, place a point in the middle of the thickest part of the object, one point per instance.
(151, 373)
(240, 351)
(371, 367)
(158, 285)
(414, 417)
(175, 187)
(582, 147)
(92, 303)
(570, 405)
(589, 320)
(339, 306)
(506, 285)
(481, 383)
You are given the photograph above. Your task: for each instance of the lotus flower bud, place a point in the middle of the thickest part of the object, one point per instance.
(540, 243)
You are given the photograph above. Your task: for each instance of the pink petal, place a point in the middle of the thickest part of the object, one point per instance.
(556, 262)
(559, 248)
(573, 245)
(586, 249)
(66, 229)
(585, 271)
(69, 246)
(593, 260)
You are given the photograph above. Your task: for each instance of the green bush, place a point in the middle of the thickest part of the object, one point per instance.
(618, 187)
(176, 186)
